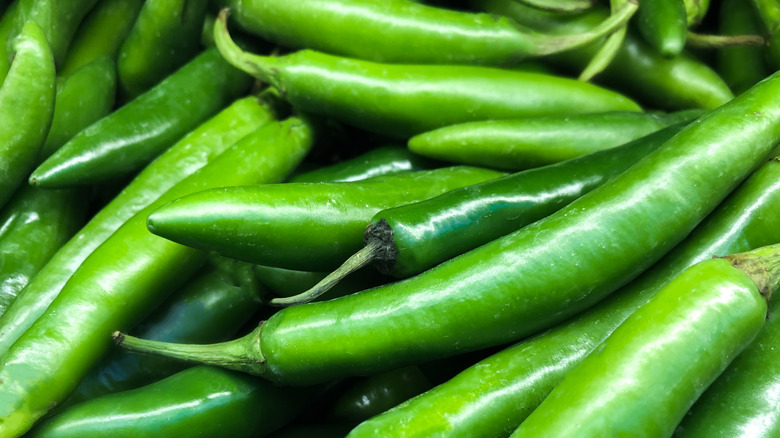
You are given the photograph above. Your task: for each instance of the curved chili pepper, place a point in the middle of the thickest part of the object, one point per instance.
(638, 69)
(206, 309)
(132, 136)
(523, 282)
(188, 155)
(333, 216)
(665, 354)
(664, 25)
(33, 226)
(400, 31)
(403, 100)
(533, 142)
(494, 397)
(83, 97)
(741, 66)
(123, 278)
(164, 36)
(200, 401)
(26, 108)
(406, 240)
(101, 33)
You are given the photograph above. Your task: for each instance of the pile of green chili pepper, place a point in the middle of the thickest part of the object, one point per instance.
(571, 209)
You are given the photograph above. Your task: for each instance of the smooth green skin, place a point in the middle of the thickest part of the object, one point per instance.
(523, 282)
(695, 11)
(651, 369)
(527, 143)
(132, 136)
(58, 20)
(101, 33)
(769, 12)
(206, 309)
(404, 100)
(376, 394)
(743, 401)
(199, 402)
(165, 36)
(492, 398)
(84, 97)
(396, 31)
(264, 224)
(189, 154)
(384, 160)
(33, 226)
(430, 232)
(663, 24)
(639, 70)
(129, 274)
(740, 66)
(26, 108)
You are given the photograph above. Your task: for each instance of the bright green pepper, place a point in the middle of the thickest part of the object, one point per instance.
(741, 66)
(664, 25)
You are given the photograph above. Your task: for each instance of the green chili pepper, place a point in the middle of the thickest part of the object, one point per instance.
(26, 107)
(200, 401)
(664, 25)
(534, 142)
(406, 240)
(207, 309)
(695, 11)
(523, 282)
(83, 97)
(58, 20)
(561, 6)
(403, 100)
(382, 161)
(164, 36)
(124, 278)
(33, 226)
(189, 154)
(741, 66)
(130, 137)
(101, 33)
(376, 394)
(333, 216)
(405, 32)
(494, 397)
(769, 12)
(677, 83)
(653, 367)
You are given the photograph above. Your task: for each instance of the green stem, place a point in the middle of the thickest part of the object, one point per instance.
(608, 50)
(717, 41)
(560, 6)
(358, 260)
(547, 45)
(255, 65)
(242, 354)
(762, 265)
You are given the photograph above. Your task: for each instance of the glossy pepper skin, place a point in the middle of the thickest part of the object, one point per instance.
(494, 397)
(677, 83)
(26, 108)
(132, 136)
(740, 66)
(163, 37)
(33, 226)
(199, 402)
(403, 100)
(45, 364)
(382, 161)
(663, 24)
(263, 224)
(188, 155)
(101, 33)
(403, 32)
(533, 142)
(82, 98)
(652, 368)
(769, 12)
(207, 309)
(523, 282)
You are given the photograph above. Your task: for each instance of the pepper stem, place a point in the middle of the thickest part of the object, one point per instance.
(762, 265)
(366, 255)
(255, 65)
(717, 41)
(561, 6)
(547, 44)
(242, 354)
